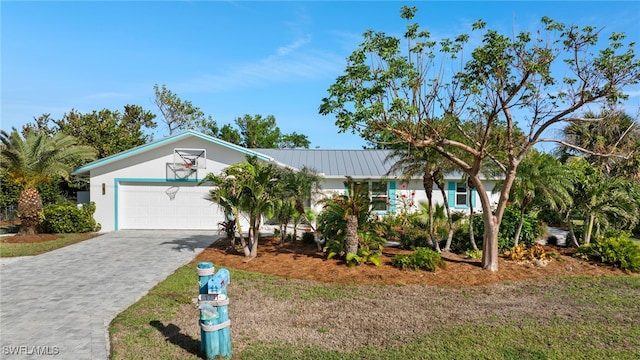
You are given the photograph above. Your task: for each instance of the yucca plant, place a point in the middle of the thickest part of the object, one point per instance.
(34, 159)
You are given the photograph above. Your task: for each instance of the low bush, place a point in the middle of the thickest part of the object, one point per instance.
(67, 218)
(474, 254)
(520, 252)
(412, 236)
(532, 229)
(617, 250)
(308, 238)
(422, 258)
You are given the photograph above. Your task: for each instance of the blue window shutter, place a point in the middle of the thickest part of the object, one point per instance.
(392, 197)
(474, 193)
(451, 194)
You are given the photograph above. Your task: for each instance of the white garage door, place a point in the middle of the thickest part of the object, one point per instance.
(147, 206)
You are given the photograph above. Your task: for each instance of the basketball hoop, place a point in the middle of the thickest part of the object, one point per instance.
(172, 191)
(187, 165)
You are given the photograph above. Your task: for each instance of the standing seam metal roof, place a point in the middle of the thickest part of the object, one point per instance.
(334, 163)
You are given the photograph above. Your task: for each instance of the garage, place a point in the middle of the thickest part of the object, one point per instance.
(166, 206)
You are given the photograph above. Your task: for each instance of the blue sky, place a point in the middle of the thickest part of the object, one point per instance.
(231, 58)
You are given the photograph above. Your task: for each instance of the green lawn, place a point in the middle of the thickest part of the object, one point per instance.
(35, 248)
(597, 320)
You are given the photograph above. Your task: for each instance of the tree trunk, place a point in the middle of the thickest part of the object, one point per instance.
(472, 238)
(427, 183)
(30, 211)
(491, 220)
(351, 240)
(283, 232)
(519, 230)
(447, 246)
(490, 243)
(589, 229)
(255, 235)
(572, 233)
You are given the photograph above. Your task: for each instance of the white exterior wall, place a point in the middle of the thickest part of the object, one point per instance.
(149, 167)
(409, 194)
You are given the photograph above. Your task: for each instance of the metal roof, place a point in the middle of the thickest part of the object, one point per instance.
(366, 163)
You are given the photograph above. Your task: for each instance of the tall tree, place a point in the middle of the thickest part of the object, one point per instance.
(261, 132)
(229, 134)
(107, 131)
(34, 159)
(179, 114)
(396, 85)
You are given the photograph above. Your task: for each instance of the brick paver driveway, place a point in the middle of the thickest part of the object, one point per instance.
(58, 305)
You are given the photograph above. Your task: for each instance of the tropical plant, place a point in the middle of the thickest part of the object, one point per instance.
(34, 159)
(342, 216)
(421, 259)
(430, 165)
(610, 144)
(615, 249)
(601, 200)
(395, 85)
(541, 182)
(251, 187)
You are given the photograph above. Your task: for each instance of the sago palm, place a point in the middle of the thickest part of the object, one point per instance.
(34, 159)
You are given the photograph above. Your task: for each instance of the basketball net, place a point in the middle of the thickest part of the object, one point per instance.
(172, 191)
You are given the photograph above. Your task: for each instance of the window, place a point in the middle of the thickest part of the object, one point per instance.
(378, 192)
(461, 194)
(379, 196)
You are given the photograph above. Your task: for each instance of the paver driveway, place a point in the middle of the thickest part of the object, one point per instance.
(59, 304)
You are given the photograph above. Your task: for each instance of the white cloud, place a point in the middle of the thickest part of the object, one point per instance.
(285, 50)
(287, 64)
(106, 95)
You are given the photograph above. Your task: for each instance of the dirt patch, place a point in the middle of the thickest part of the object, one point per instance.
(295, 260)
(376, 314)
(29, 239)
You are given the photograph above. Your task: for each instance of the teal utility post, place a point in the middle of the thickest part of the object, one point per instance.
(214, 311)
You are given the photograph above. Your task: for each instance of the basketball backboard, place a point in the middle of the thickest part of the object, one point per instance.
(190, 158)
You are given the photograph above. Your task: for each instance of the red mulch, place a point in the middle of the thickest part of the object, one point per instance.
(303, 261)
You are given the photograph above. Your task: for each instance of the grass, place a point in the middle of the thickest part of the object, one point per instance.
(35, 248)
(595, 336)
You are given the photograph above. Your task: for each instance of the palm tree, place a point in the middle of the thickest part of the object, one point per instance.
(601, 199)
(34, 159)
(226, 193)
(604, 143)
(300, 186)
(260, 184)
(428, 164)
(541, 181)
(351, 207)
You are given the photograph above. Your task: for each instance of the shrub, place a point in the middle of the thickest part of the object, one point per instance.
(422, 258)
(308, 238)
(520, 252)
(69, 218)
(474, 254)
(412, 236)
(618, 251)
(532, 229)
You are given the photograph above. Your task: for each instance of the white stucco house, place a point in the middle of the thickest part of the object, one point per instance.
(155, 186)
